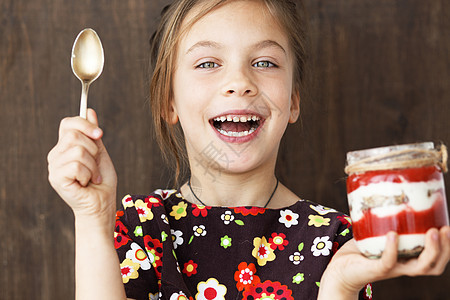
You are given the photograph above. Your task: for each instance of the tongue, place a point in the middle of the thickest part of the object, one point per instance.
(235, 126)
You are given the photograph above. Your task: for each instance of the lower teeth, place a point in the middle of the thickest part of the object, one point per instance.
(236, 134)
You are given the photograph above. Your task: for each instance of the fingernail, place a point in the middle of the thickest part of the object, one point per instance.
(97, 133)
(391, 236)
(448, 234)
(435, 236)
(98, 180)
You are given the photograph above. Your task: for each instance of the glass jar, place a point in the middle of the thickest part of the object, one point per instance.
(396, 188)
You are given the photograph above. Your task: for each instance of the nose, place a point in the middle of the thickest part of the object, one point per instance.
(239, 83)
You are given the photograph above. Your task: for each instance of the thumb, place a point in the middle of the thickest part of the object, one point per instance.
(92, 116)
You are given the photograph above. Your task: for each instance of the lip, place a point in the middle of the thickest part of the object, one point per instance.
(239, 113)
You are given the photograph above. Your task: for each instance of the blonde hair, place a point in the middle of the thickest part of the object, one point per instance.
(163, 59)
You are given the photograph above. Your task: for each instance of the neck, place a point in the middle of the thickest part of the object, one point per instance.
(231, 189)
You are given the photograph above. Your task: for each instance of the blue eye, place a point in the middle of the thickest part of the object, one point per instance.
(264, 64)
(207, 65)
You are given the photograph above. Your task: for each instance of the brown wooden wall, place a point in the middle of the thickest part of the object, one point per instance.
(380, 75)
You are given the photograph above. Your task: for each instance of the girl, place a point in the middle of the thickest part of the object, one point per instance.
(230, 73)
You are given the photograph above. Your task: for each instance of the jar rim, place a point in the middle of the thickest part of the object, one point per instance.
(358, 155)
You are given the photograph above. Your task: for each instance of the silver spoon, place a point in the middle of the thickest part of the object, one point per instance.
(87, 62)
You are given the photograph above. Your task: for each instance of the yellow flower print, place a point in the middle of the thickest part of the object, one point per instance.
(262, 251)
(144, 212)
(129, 270)
(127, 201)
(318, 221)
(179, 211)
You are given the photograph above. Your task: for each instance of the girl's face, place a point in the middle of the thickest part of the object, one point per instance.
(233, 88)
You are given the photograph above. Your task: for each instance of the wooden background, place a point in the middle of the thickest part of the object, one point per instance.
(380, 73)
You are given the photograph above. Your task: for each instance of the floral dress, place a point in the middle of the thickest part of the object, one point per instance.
(172, 249)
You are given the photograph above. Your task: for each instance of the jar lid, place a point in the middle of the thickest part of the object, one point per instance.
(396, 157)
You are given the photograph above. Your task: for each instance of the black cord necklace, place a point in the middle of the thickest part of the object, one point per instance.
(192, 191)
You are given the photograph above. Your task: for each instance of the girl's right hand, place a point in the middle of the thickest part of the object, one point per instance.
(81, 171)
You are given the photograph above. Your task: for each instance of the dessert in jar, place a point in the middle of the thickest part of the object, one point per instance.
(397, 188)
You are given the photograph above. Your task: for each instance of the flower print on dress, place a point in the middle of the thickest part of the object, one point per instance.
(262, 251)
(179, 210)
(164, 218)
(127, 201)
(138, 231)
(200, 210)
(278, 240)
(137, 254)
(190, 268)
(210, 290)
(165, 193)
(345, 220)
(288, 218)
(153, 296)
(227, 217)
(177, 238)
(120, 240)
(152, 202)
(245, 276)
(199, 230)
(321, 246)
(225, 242)
(249, 210)
(368, 291)
(143, 211)
(129, 270)
(298, 278)
(119, 214)
(178, 296)
(317, 221)
(154, 250)
(268, 290)
(320, 209)
(296, 258)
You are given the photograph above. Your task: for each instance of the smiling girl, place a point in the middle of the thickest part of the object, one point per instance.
(229, 75)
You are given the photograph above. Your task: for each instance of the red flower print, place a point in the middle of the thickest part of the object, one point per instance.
(249, 210)
(335, 247)
(278, 240)
(119, 214)
(245, 276)
(152, 202)
(120, 240)
(155, 253)
(268, 290)
(120, 228)
(190, 268)
(200, 209)
(345, 220)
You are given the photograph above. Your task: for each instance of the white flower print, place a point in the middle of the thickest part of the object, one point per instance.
(210, 290)
(178, 296)
(322, 210)
(227, 217)
(138, 255)
(165, 193)
(177, 238)
(296, 258)
(164, 218)
(288, 218)
(153, 296)
(321, 246)
(199, 230)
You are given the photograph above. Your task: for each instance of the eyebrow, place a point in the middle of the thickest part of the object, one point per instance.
(257, 46)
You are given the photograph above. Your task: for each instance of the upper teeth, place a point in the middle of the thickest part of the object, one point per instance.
(231, 118)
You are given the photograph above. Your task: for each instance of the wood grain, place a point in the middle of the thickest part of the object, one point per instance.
(379, 75)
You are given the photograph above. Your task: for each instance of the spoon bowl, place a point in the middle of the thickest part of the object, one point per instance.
(87, 62)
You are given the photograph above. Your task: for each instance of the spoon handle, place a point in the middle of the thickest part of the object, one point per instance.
(83, 102)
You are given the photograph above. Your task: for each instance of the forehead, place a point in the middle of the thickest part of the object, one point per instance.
(236, 21)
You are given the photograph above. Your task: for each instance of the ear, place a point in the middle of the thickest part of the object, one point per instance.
(172, 116)
(295, 106)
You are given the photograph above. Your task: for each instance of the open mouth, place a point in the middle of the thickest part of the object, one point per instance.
(236, 125)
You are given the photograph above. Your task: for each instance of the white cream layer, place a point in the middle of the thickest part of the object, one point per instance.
(416, 192)
(375, 245)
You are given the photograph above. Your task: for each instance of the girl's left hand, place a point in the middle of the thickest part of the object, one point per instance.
(349, 270)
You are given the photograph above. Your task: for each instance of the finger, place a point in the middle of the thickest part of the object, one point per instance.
(428, 259)
(77, 154)
(389, 257)
(74, 138)
(92, 116)
(444, 251)
(84, 126)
